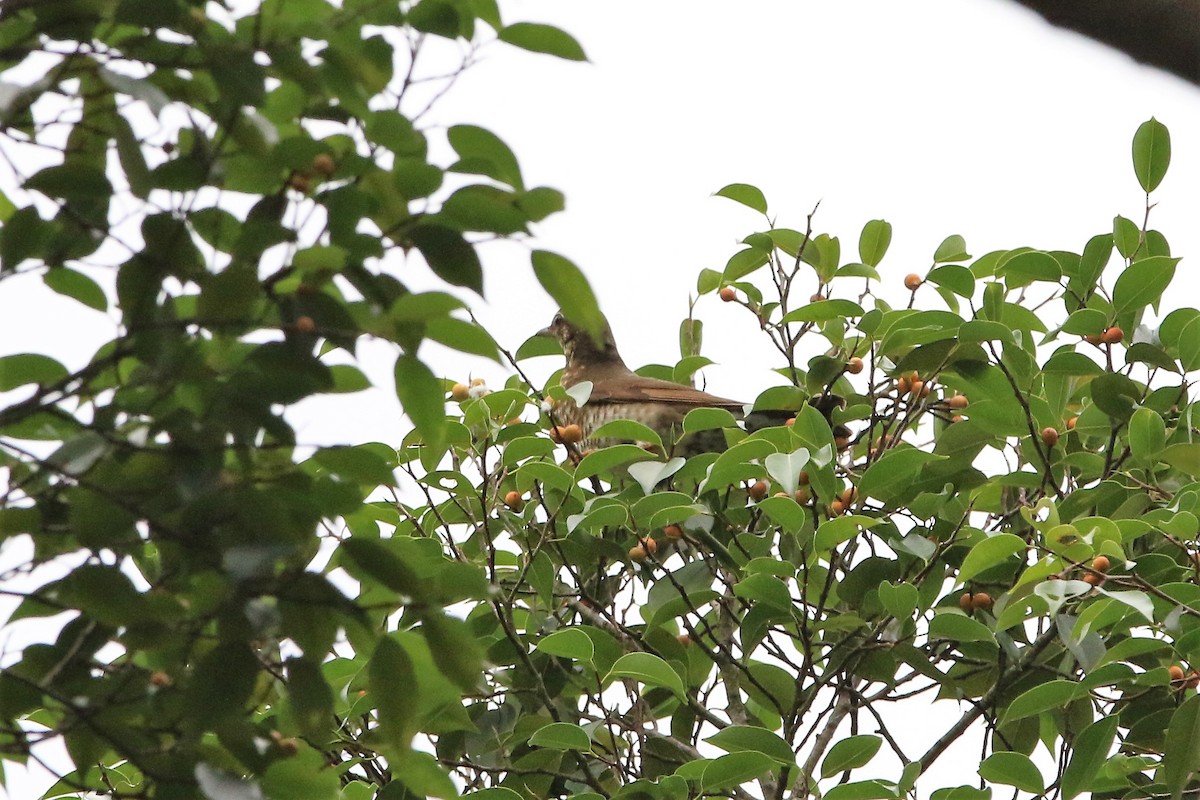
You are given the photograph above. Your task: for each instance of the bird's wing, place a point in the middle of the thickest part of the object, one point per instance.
(639, 389)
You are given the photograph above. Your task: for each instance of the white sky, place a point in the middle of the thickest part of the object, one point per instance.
(940, 116)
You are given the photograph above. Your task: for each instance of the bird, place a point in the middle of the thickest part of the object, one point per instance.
(620, 393)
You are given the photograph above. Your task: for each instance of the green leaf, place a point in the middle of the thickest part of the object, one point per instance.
(393, 681)
(740, 738)
(952, 248)
(1142, 283)
(736, 768)
(850, 753)
(1030, 266)
(18, 370)
(1151, 153)
(485, 208)
(1088, 755)
(1115, 395)
(455, 649)
(1013, 769)
(379, 562)
(1184, 457)
(542, 39)
(464, 336)
(862, 790)
(483, 153)
(359, 464)
(1052, 694)
(648, 669)
(824, 310)
(422, 396)
(566, 283)
(561, 736)
(1181, 756)
(568, 643)
(900, 599)
(891, 477)
(627, 430)
(1126, 236)
(747, 195)
(959, 628)
(873, 241)
(954, 277)
(71, 181)
(303, 776)
(1147, 434)
(988, 553)
(451, 257)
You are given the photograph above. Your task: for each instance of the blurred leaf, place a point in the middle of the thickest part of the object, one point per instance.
(542, 39)
(18, 370)
(455, 650)
(566, 283)
(421, 396)
(393, 685)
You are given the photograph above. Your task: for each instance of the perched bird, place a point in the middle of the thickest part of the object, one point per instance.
(620, 393)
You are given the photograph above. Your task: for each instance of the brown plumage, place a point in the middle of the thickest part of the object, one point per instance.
(620, 393)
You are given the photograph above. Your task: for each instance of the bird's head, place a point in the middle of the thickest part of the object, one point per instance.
(578, 346)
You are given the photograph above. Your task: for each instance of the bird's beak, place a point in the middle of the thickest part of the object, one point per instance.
(547, 331)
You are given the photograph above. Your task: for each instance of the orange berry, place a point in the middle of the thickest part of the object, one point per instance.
(684, 639)
(912, 281)
(1093, 578)
(323, 164)
(642, 550)
(514, 500)
(673, 532)
(981, 600)
(848, 496)
(837, 508)
(758, 490)
(919, 388)
(965, 603)
(728, 294)
(1101, 563)
(460, 392)
(1071, 423)
(648, 543)
(1049, 436)
(567, 434)
(300, 182)
(1176, 672)
(791, 421)
(1093, 338)
(903, 385)
(305, 324)
(956, 418)
(160, 679)
(854, 365)
(1112, 335)
(958, 401)
(802, 496)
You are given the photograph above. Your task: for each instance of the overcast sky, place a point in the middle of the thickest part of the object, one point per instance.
(968, 117)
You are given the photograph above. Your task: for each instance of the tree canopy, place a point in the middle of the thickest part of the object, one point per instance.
(482, 608)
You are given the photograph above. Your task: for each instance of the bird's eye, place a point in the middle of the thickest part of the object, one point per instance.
(558, 320)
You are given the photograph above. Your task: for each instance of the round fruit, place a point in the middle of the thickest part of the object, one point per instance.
(673, 532)
(728, 294)
(848, 496)
(903, 385)
(460, 392)
(1176, 672)
(802, 496)
(958, 401)
(514, 500)
(912, 281)
(305, 324)
(854, 365)
(758, 491)
(816, 298)
(1093, 578)
(837, 508)
(1049, 436)
(1112, 335)
(804, 478)
(791, 421)
(684, 639)
(649, 544)
(919, 388)
(965, 603)
(1071, 423)
(323, 164)
(300, 182)
(1093, 338)
(981, 600)
(160, 679)
(1101, 563)
(567, 434)
(956, 418)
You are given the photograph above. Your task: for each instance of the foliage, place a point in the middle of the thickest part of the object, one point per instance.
(482, 610)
